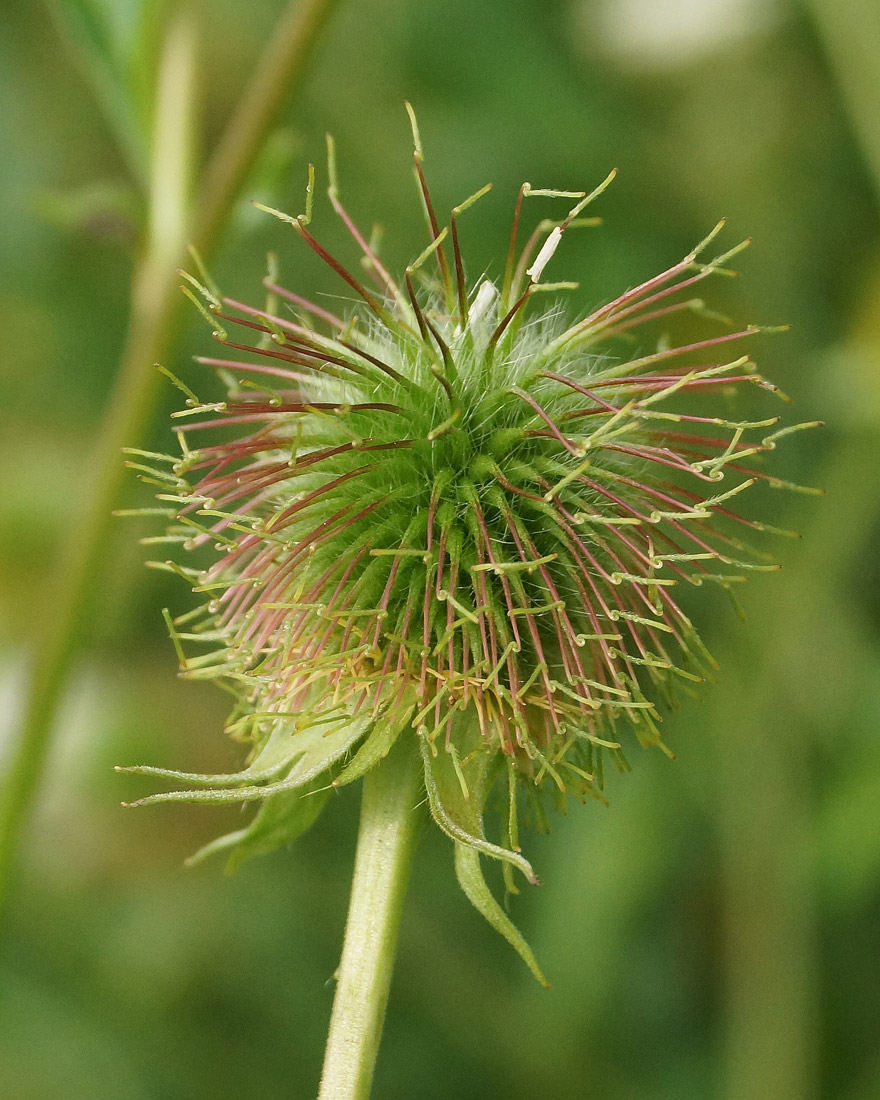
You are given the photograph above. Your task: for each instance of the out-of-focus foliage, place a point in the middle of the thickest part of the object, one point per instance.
(714, 933)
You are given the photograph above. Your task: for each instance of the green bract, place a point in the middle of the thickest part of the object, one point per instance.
(450, 518)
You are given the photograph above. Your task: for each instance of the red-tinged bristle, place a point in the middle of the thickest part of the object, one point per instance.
(441, 563)
(332, 527)
(353, 564)
(511, 248)
(532, 627)
(222, 455)
(659, 296)
(658, 455)
(652, 383)
(465, 666)
(460, 288)
(376, 266)
(505, 584)
(378, 363)
(615, 328)
(269, 409)
(628, 297)
(509, 316)
(432, 220)
(381, 678)
(417, 309)
(686, 349)
(305, 304)
(445, 353)
(548, 420)
(386, 597)
(624, 505)
(278, 522)
(587, 562)
(515, 489)
(223, 498)
(450, 618)
(253, 368)
(656, 494)
(701, 440)
(569, 635)
(717, 508)
(231, 421)
(225, 477)
(478, 584)
(605, 405)
(372, 301)
(304, 356)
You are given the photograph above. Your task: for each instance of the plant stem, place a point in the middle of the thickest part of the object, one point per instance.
(849, 31)
(386, 840)
(280, 69)
(149, 327)
(153, 320)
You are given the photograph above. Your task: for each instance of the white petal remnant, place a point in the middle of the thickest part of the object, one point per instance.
(545, 255)
(482, 311)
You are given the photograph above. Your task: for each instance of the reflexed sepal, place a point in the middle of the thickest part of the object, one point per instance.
(312, 751)
(456, 800)
(457, 795)
(471, 880)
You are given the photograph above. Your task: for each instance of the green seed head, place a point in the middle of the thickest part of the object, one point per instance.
(451, 516)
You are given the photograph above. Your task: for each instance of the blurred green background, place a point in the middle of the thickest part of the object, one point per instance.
(715, 932)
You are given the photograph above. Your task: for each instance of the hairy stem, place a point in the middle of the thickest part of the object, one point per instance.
(386, 840)
(153, 320)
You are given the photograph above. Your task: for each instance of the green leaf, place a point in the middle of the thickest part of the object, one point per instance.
(460, 814)
(470, 878)
(280, 820)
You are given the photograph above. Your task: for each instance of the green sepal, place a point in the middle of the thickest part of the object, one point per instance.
(471, 880)
(313, 750)
(279, 750)
(377, 745)
(460, 815)
(281, 819)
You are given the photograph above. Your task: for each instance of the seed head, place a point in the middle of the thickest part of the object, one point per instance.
(449, 516)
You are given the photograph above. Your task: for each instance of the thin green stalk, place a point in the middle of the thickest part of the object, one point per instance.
(849, 31)
(151, 311)
(766, 839)
(154, 317)
(767, 844)
(281, 69)
(386, 841)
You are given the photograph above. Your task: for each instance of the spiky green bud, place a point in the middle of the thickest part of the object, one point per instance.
(440, 518)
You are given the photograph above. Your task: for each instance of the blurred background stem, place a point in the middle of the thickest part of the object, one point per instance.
(153, 319)
(849, 32)
(768, 850)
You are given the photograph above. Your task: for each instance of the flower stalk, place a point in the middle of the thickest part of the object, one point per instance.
(387, 837)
